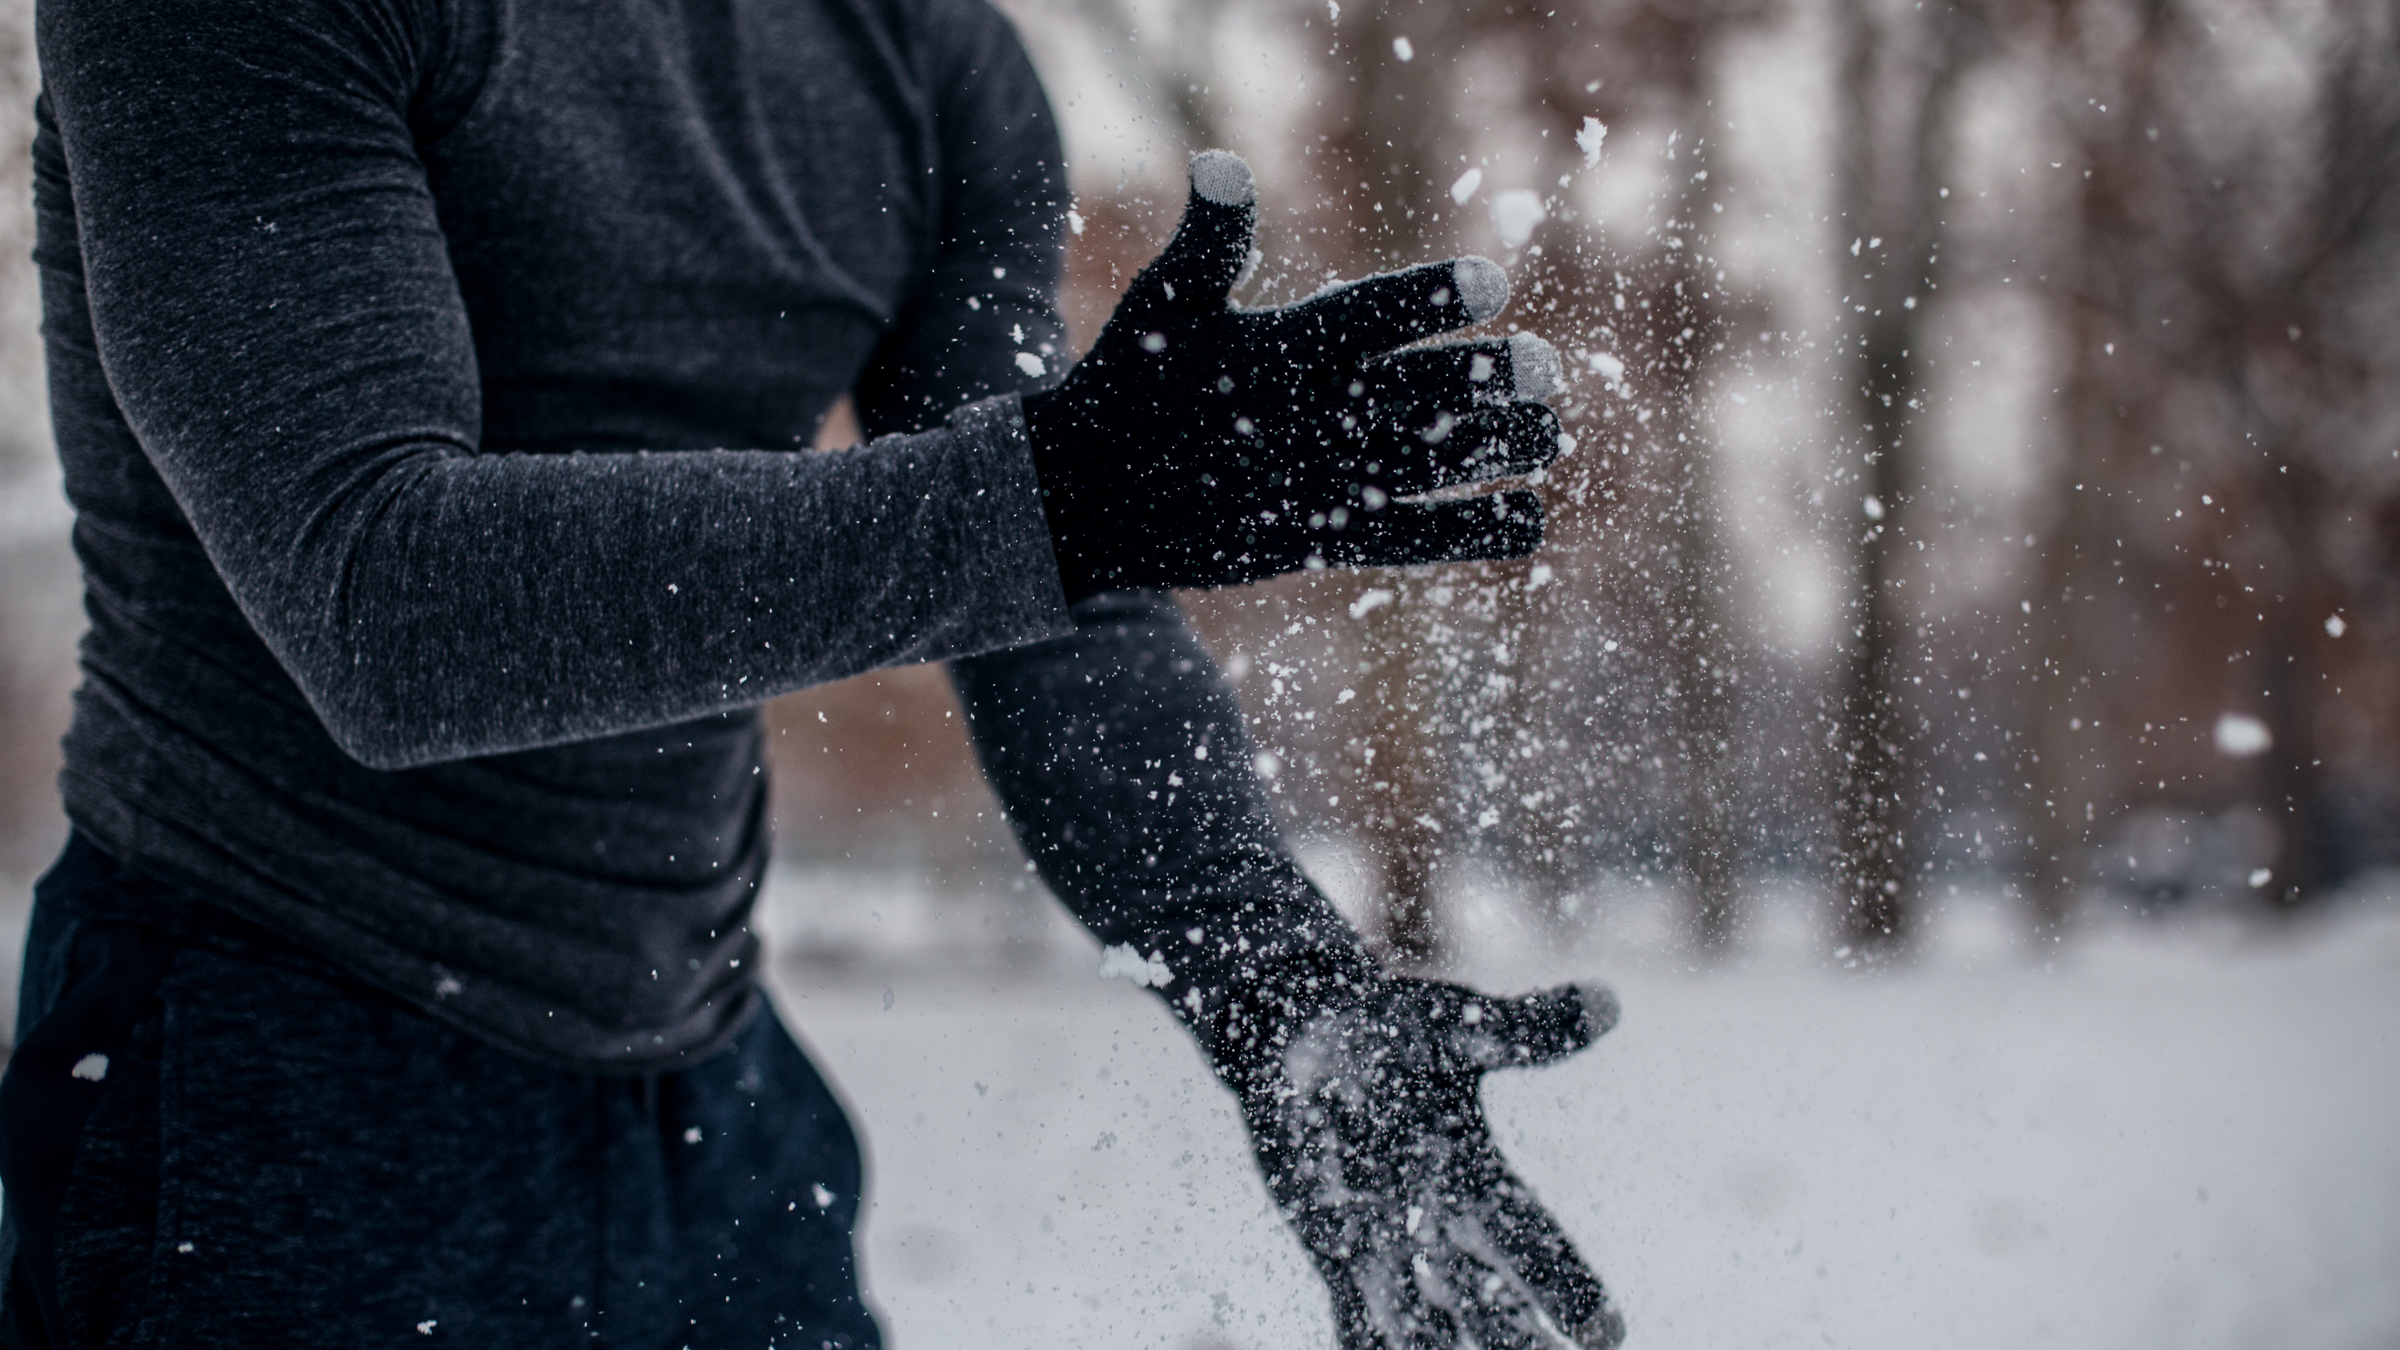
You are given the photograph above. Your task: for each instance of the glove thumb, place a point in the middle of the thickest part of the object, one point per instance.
(1492, 1033)
(1210, 247)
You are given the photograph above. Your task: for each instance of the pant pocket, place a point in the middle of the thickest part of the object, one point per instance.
(75, 1066)
(335, 1169)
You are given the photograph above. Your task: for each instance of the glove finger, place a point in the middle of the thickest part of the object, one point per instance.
(1418, 450)
(1197, 268)
(1405, 534)
(1495, 1308)
(1555, 1273)
(1492, 1033)
(1391, 310)
(1353, 1320)
(1485, 370)
(1379, 1305)
(1433, 1321)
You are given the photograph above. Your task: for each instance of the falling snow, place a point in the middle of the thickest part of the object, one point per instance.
(1589, 139)
(1514, 215)
(2242, 735)
(1739, 1158)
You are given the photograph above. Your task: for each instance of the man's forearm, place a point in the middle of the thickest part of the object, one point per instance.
(1120, 757)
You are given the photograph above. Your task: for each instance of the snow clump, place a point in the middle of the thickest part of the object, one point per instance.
(1125, 962)
(1515, 213)
(2240, 735)
(1466, 185)
(1590, 139)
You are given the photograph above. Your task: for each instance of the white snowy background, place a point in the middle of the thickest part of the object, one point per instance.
(2172, 1135)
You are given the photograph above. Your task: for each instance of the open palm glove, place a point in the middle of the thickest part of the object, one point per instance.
(1199, 444)
(1364, 1108)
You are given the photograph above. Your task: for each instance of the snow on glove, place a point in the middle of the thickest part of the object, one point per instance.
(1203, 445)
(1367, 1120)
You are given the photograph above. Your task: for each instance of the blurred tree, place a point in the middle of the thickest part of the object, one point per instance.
(2213, 229)
(1633, 514)
(1900, 73)
(2232, 407)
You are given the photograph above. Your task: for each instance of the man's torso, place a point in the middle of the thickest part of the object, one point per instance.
(673, 226)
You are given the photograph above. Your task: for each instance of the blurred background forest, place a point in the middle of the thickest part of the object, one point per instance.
(1986, 475)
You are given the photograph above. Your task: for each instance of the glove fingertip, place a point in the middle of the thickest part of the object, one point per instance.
(1534, 369)
(1482, 286)
(1600, 1010)
(1605, 1330)
(1224, 178)
(1211, 246)
(1546, 1026)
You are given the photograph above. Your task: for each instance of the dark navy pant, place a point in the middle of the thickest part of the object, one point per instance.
(211, 1147)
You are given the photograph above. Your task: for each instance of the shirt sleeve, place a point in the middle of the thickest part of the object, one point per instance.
(984, 320)
(1118, 752)
(270, 297)
(1120, 757)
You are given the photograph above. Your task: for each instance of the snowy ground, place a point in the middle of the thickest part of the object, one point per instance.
(2180, 1135)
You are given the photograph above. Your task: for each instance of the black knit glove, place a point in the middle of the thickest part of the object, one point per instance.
(1202, 445)
(1364, 1112)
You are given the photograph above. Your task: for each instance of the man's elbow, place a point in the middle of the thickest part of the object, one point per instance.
(372, 728)
(379, 708)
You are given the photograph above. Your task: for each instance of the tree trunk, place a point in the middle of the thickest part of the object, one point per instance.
(2061, 795)
(2294, 777)
(1384, 147)
(1899, 85)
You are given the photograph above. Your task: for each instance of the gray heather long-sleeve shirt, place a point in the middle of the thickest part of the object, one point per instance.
(432, 377)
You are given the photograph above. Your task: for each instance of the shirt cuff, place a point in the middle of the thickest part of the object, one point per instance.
(1004, 552)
